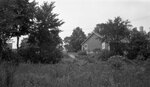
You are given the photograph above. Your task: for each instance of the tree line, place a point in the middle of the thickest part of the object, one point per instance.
(124, 39)
(40, 23)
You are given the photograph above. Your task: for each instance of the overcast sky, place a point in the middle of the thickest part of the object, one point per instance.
(87, 13)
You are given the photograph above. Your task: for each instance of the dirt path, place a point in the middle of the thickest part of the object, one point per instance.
(72, 56)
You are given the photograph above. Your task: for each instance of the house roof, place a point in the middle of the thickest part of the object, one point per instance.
(93, 33)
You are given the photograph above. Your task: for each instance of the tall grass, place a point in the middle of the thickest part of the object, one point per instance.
(7, 71)
(99, 74)
(112, 73)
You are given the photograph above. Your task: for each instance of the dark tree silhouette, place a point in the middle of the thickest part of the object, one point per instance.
(75, 40)
(45, 33)
(113, 32)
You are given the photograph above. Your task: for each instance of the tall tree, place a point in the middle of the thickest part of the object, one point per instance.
(5, 23)
(24, 12)
(139, 45)
(45, 32)
(114, 31)
(76, 39)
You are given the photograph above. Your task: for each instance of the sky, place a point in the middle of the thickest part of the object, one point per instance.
(87, 13)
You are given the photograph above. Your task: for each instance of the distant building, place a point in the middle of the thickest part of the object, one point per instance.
(10, 43)
(13, 41)
(94, 42)
(141, 29)
(24, 42)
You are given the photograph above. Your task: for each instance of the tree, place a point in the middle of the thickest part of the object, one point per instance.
(139, 45)
(23, 20)
(15, 20)
(17, 17)
(5, 24)
(45, 33)
(76, 39)
(89, 34)
(67, 46)
(113, 32)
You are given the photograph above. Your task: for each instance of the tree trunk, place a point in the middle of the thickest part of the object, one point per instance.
(17, 42)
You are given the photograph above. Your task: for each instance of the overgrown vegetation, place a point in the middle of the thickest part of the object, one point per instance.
(123, 39)
(121, 73)
(82, 53)
(24, 17)
(39, 23)
(139, 45)
(7, 73)
(102, 69)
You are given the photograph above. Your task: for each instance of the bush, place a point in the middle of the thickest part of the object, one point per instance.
(143, 54)
(140, 57)
(92, 59)
(82, 53)
(97, 50)
(29, 54)
(33, 55)
(116, 62)
(11, 56)
(139, 45)
(55, 57)
(104, 55)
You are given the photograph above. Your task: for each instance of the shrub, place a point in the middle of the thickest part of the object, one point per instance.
(116, 62)
(55, 57)
(33, 55)
(104, 55)
(97, 50)
(29, 54)
(82, 53)
(139, 45)
(11, 56)
(90, 58)
(140, 57)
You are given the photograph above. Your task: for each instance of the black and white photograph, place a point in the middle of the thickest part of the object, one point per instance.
(74, 43)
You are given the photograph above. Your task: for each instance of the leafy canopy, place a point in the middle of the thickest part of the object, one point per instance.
(73, 43)
(45, 33)
(114, 30)
(139, 44)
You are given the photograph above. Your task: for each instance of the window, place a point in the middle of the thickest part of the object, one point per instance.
(103, 45)
(85, 46)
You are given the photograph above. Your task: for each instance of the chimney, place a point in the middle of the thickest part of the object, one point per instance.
(141, 28)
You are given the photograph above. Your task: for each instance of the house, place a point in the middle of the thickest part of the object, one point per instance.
(10, 43)
(94, 42)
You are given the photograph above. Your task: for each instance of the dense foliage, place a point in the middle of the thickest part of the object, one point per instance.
(44, 41)
(113, 32)
(73, 43)
(17, 17)
(139, 45)
(123, 40)
(39, 22)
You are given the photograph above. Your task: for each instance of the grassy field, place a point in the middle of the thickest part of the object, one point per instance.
(77, 73)
(100, 74)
